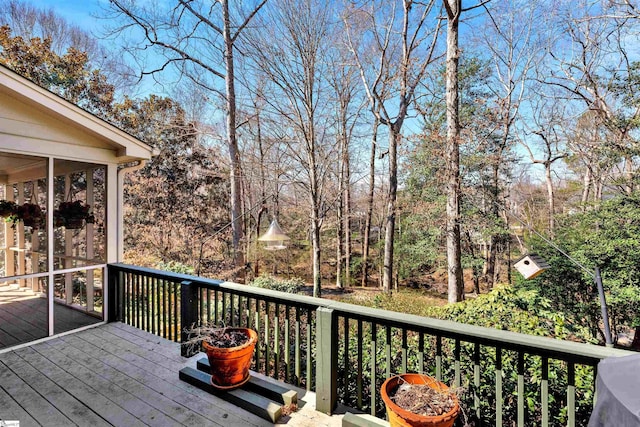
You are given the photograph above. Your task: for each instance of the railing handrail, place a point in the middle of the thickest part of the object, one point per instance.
(508, 340)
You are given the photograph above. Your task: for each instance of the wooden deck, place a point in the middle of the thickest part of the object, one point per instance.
(23, 317)
(117, 375)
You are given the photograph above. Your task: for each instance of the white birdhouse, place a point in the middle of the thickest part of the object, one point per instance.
(531, 265)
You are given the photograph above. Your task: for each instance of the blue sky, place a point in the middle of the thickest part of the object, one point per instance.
(78, 12)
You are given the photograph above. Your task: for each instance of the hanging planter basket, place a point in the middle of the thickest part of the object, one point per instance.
(31, 215)
(7, 208)
(72, 215)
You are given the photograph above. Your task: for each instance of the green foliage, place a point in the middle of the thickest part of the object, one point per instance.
(293, 285)
(607, 236)
(416, 248)
(175, 266)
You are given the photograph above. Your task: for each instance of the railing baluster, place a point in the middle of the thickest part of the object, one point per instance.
(258, 350)
(544, 391)
(201, 304)
(387, 350)
(421, 353)
(571, 394)
(276, 341)
(308, 364)
(208, 318)
(127, 299)
(374, 386)
(224, 309)
(136, 296)
(267, 350)
(404, 351)
(520, 389)
(476, 379)
(176, 319)
(457, 382)
(147, 319)
(296, 350)
(287, 343)
(498, 387)
(216, 319)
(359, 364)
(164, 308)
(439, 358)
(345, 373)
(152, 291)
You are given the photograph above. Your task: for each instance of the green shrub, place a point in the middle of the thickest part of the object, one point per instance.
(292, 286)
(175, 266)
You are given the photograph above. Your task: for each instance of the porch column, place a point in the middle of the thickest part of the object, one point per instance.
(19, 248)
(9, 236)
(35, 243)
(90, 236)
(68, 248)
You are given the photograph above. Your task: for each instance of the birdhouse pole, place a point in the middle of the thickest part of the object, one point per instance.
(603, 308)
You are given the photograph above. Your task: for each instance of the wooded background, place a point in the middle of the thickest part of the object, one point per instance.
(398, 143)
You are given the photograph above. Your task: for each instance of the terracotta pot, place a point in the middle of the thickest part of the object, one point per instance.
(401, 417)
(230, 366)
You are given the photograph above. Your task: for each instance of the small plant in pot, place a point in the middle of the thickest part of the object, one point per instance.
(73, 215)
(229, 351)
(418, 400)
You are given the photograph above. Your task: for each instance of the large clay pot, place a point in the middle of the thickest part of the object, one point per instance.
(399, 417)
(230, 366)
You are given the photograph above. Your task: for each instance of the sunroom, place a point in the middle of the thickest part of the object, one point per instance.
(52, 154)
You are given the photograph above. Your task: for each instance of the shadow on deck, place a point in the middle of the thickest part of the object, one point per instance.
(23, 317)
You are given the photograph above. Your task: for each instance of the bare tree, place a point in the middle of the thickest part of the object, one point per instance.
(196, 41)
(289, 52)
(599, 73)
(391, 67)
(343, 81)
(510, 38)
(366, 239)
(548, 127)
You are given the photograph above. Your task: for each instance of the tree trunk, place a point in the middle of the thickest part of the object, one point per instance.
(586, 187)
(315, 242)
(234, 154)
(340, 223)
(369, 213)
(347, 215)
(455, 277)
(628, 169)
(550, 197)
(390, 226)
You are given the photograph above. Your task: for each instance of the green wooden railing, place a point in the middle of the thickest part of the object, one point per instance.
(344, 352)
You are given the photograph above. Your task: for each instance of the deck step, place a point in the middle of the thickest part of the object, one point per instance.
(278, 392)
(248, 400)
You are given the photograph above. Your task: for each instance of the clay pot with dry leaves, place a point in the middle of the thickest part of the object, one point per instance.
(230, 351)
(418, 400)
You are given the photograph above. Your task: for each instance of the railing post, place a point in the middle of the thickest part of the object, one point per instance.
(188, 315)
(114, 301)
(326, 360)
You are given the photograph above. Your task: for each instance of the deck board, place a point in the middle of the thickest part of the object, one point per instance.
(23, 317)
(117, 375)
